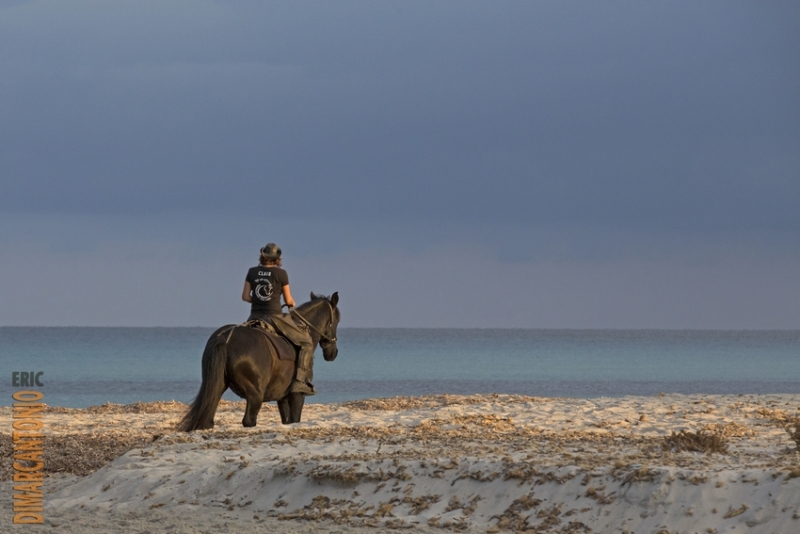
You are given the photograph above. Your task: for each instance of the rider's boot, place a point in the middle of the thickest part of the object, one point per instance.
(302, 381)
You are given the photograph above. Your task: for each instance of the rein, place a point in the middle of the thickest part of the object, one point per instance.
(322, 336)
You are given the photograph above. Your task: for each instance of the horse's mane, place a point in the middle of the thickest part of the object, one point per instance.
(312, 302)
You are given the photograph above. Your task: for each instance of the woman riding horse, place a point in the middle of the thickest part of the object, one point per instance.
(263, 288)
(244, 360)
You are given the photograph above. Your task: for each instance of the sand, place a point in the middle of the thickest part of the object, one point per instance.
(483, 463)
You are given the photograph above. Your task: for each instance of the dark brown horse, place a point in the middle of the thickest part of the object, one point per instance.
(242, 359)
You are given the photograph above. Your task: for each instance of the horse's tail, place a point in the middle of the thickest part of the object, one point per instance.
(201, 413)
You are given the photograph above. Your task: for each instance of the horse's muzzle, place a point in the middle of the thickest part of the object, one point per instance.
(330, 353)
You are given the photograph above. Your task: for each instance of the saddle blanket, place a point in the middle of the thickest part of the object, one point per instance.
(283, 348)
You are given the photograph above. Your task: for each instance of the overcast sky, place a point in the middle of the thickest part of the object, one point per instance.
(447, 164)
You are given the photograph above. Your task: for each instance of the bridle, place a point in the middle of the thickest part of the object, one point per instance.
(322, 337)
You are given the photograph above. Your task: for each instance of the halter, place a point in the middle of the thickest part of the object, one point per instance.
(322, 337)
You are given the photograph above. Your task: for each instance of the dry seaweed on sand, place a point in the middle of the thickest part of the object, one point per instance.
(792, 427)
(77, 454)
(432, 401)
(791, 424)
(701, 441)
(147, 408)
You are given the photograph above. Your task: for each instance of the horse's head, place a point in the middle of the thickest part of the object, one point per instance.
(328, 340)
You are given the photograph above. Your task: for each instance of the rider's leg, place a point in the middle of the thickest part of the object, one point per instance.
(305, 360)
(305, 368)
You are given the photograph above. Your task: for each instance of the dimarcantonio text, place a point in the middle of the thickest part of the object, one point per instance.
(27, 437)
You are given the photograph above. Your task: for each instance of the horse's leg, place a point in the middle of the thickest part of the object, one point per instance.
(285, 410)
(296, 401)
(251, 411)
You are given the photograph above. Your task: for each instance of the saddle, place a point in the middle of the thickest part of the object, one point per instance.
(284, 349)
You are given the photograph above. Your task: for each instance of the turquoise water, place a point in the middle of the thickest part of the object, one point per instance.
(88, 366)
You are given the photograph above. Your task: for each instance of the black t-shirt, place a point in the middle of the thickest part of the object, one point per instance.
(266, 284)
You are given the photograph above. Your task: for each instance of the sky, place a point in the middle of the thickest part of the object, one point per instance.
(503, 164)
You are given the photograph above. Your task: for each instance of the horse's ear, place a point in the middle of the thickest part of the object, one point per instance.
(313, 296)
(335, 298)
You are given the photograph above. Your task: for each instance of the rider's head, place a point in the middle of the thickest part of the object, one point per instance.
(270, 255)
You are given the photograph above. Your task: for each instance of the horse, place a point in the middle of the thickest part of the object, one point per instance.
(242, 359)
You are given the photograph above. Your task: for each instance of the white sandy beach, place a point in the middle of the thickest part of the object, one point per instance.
(484, 463)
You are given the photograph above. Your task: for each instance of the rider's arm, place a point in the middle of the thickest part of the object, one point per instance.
(287, 296)
(246, 293)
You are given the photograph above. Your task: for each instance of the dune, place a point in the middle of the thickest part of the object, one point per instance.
(482, 463)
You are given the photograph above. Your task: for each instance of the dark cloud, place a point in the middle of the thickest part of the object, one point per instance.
(525, 130)
(683, 115)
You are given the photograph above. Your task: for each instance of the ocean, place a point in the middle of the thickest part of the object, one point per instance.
(91, 366)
